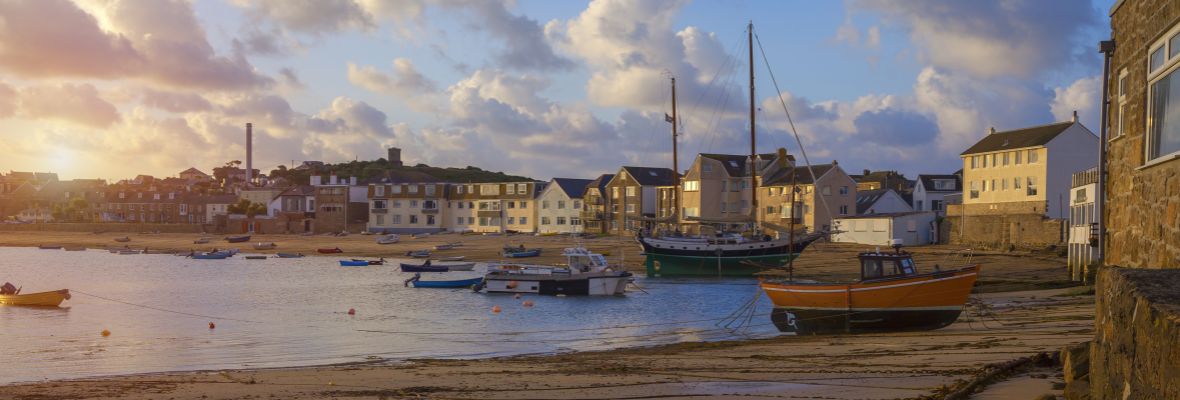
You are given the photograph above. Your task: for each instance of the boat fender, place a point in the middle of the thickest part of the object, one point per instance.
(352, 311)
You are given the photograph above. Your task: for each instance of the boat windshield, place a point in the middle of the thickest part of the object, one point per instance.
(882, 267)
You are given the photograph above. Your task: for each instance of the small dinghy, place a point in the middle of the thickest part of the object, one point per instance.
(333, 250)
(128, 252)
(255, 257)
(237, 239)
(447, 246)
(210, 256)
(388, 239)
(289, 255)
(372, 262)
(49, 247)
(521, 252)
(454, 284)
(423, 268)
(419, 253)
(453, 258)
(123, 239)
(75, 249)
(354, 263)
(265, 245)
(43, 299)
(201, 241)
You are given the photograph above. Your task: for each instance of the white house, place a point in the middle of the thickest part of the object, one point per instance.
(878, 229)
(930, 192)
(408, 207)
(559, 206)
(880, 201)
(1083, 220)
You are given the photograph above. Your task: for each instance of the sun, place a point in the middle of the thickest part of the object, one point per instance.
(61, 159)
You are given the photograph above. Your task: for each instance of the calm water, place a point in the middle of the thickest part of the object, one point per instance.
(294, 312)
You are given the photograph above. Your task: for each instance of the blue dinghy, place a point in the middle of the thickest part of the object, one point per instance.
(456, 284)
(354, 263)
(210, 256)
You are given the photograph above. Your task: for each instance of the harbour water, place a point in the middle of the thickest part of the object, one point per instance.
(294, 312)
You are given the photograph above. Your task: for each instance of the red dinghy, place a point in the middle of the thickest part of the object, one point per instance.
(330, 251)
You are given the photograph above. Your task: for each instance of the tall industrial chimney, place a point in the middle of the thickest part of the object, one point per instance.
(249, 153)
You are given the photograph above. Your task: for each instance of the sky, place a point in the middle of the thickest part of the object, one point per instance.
(116, 88)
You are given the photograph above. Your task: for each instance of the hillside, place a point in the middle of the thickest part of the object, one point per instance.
(380, 168)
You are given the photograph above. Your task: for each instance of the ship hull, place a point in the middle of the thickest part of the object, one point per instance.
(669, 258)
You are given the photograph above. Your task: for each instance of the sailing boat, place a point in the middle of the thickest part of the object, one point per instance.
(725, 254)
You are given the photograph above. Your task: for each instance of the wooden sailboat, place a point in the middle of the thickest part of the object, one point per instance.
(723, 255)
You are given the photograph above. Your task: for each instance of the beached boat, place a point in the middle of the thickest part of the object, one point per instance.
(372, 262)
(453, 258)
(158, 251)
(458, 266)
(75, 249)
(201, 241)
(330, 251)
(447, 246)
(49, 247)
(423, 268)
(585, 273)
(419, 253)
(388, 239)
(128, 252)
(265, 245)
(420, 235)
(42, 299)
(255, 257)
(891, 295)
(210, 256)
(521, 252)
(452, 284)
(123, 239)
(237, 239)
(288, 255)
(354, 263)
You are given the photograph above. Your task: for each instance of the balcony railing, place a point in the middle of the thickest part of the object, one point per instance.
(592, 215)
(379, 210)
(430, 211)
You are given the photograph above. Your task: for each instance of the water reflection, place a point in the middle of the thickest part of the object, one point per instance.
(286, 312)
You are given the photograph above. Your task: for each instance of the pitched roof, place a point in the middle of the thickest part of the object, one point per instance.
(866, 198)
(801, 174)
(574, 188)
(928, 182)
(647, 176)
(1019, 138)
(735, 164)
(192, 170)
(600, 182)
(301, 190)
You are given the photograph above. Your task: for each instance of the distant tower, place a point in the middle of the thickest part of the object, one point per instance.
(395, 156)
(249, 153)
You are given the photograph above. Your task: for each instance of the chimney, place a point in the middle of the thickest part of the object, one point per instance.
(1075, 116)
(249, 153)
(315, 180)
(782, 158)
(991, 131)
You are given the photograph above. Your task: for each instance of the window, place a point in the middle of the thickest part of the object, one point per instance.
(844, 190)
(994, 185)
(575, 221)
(614, 192)
(561, 204)
(397, 219)
(936, 205)
(918, 205)
(412, 188)
(1163, 121)
(1033, 156)
(380, 219)
(691, 212)
(522, 188)
(524, 204)
(1122, 105)
(544, 220)
(723, 206)
(395, 189)
(1019, 157)
(397, 204)
(413, 219)
(1031, 188)
(692, 186)
(429, 192)
(544, 204)
(379, 190)
(379, 204)
(524, 220)
(459, 220)
(470, 220)
(1016, 182)
(1003, 184)
(459, 190)
(630, 208)
(460, 204)
(577, 204)
(489, 190)
(483, 221)
(975, 190)
(974, 162)
(511, 220)
(843, 210)
(429, 220)
(429, 205)
(985, 161)
(509, 189)
(827, 190)
(561, 220)
(512, 204)
(631, 191)
(706, 167)
(413, 203)
(1005, 158)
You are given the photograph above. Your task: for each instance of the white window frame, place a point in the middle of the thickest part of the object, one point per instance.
(1121, 86)
(1170, 64)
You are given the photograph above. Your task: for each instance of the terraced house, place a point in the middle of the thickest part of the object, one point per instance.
(493, 206)
(596, 204)
(560, 206)
(717, 188)
(641, 198)
(408, 207)
(810, 202)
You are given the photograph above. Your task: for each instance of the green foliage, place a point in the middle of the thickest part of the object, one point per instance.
(244, 206)
(381, 168)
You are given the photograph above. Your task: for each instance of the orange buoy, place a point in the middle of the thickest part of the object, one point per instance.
(105, 333)
(352, 311)
(496, 309)
(527, 303)
(211, 326)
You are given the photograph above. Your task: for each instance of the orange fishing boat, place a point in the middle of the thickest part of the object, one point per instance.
(891, 295)
(43, 299)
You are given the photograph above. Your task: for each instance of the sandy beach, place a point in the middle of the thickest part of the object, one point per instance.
(1021, 310)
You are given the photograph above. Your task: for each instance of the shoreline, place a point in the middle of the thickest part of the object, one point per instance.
(884, 365)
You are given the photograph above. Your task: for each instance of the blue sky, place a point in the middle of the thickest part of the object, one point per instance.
(541, 88)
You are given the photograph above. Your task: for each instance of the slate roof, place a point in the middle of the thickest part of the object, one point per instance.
(802, 175)
(647, 176)
(574, 188)
(1020, 138)
(928, 182)
(600, 182)
(735, 164)
(866, 198)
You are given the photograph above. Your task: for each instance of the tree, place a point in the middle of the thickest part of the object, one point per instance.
(78, 209)
(244, 206)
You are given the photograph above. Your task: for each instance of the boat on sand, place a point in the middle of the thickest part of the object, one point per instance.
(42, 299)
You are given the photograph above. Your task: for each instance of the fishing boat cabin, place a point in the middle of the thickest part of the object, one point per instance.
(878, 265)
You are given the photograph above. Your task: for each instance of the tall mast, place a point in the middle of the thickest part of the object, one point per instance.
(753, 146)
(675, 162)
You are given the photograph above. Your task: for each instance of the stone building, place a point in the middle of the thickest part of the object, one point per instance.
(793, 193)
(717, 187)
(595, 204)
(635, 199)
(1136, 349)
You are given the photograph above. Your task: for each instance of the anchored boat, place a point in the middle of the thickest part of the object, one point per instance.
(43, 299)
(586, 273)
(237, 239)
(891, 295)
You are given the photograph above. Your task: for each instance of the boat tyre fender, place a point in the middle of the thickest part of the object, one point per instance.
(478, 287)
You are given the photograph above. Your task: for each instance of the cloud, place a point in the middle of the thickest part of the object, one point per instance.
(1082, 96)
(159, 41)
(55, 38)
(525, 46)
(893, 127)
(289, 79)
(8, 100)
(405, 81)
(1020, 38)
(174, 101)
(313, 16)
(79, 104)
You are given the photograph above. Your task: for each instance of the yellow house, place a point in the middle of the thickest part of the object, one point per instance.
(1028, 170)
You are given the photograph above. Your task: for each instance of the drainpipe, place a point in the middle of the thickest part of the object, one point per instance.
(1106, 47)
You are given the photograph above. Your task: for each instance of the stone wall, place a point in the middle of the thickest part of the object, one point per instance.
(1143, 203)
(107, 227)
(1025, 231)
(1136, 349)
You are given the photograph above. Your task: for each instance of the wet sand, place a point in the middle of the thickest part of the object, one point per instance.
(870, 366)
(1024, 316)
